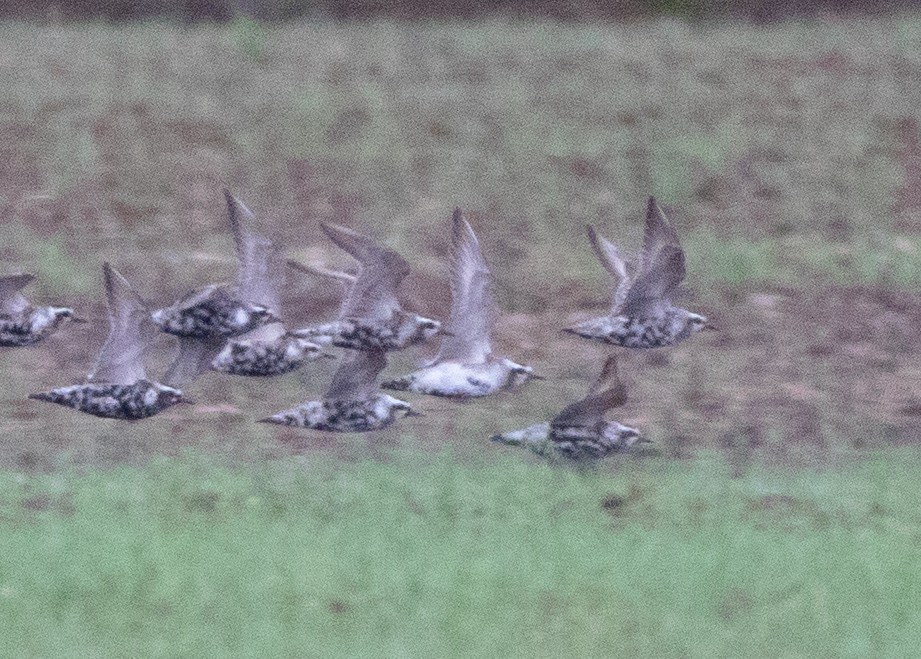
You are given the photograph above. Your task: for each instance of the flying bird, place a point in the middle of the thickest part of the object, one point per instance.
(643, 314)
(221, 310)
(353, 402)
(118, 386)
(21, 323)
(268, 349)
(371, 317)
(465, 365)
(580, 430)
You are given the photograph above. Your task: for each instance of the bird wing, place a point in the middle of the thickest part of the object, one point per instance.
(473, 309)
(193, 358)
(345, 279)
(607, 393)
(374, 294)
(355, 379)
(197, 296)
(654, 287)
(615, 263)
(260, 263)
(121, 359)
(658, 233)
(11, 300)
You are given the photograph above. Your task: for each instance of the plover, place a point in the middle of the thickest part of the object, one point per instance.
(268, 349)
(642, 314)
(371, 317)
(465, 365)
(353, 402)
(118, 387)
(580, 431)
(21, 323)
(228, 311)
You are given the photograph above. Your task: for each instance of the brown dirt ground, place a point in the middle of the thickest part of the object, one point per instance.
(789, 373)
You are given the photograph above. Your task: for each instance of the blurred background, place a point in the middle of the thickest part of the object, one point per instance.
(775, 512)
(786, 150)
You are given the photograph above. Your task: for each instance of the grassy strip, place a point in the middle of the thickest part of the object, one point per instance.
(432, 557)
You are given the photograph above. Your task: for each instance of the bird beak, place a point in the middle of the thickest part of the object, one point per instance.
(412, 412)
(78, 319)
(267, 419)
(714, 328)
(187, 401)
(328, 355)
(447, 333)
(535, 376)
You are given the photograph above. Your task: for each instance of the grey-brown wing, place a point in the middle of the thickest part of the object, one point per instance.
(658, 233)
(193, 358)
(653, 288)
(260, 263)
(607, 393)
(473, 309)
(374, 294)
(356, 379)
(345, 279)
(197, 296)
(11, 300)
(121, 359)
(615, 263)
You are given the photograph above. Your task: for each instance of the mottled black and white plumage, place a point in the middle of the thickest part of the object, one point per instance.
(21, 323)
(465, 365)
(353, 402)
(224, 311)
(580, 431)
(237, 330)
(266, 351)
(642, 313)
(371, 317)
(118, 387)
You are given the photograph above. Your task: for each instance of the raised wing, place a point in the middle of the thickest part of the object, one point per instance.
(193, 358)
(607, 393)
(473, 309)
(198, 296)
(653, 288)
(121, 359)
(346, 279)
(658, 233)
(615, 263)
(11, 300)
(374, 294)
(260, 263)
(355, 379)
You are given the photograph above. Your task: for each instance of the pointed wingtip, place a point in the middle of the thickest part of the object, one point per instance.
(18, 281)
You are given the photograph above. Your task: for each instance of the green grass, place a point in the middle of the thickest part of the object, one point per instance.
(433, 556)
(787, 153)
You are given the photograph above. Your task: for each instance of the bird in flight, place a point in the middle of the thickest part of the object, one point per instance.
(465, 365)
(643, 314)
(118, 386)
